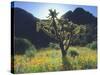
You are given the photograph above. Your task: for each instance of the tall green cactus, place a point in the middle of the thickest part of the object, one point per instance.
(60, 29)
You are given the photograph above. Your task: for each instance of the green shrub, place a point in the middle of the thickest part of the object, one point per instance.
(22, 45)
(73, 53)
(53, 45)
(66, 62)
(30, 52)
(92, 45)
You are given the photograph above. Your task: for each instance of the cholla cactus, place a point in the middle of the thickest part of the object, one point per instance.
(60, 29)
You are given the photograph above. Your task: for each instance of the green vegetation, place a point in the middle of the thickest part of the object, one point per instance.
(73, 53)
(51, 60)
(54, 46)
(22, 45)
(92, 45)
(31, 51)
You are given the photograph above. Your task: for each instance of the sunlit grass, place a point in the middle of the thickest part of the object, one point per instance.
(50, 60)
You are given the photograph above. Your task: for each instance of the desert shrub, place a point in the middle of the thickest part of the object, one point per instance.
(73, 53)
(54, 45)
(22, 44)
(66, 62)
(30, 52)
(92, 45)
(89, 65)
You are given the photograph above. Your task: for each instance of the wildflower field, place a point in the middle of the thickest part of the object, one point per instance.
(49, 59)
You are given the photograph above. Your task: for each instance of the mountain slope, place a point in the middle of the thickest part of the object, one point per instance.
(82, 17)
(25, 27)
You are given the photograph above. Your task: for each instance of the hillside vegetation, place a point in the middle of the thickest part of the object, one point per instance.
(49, 59)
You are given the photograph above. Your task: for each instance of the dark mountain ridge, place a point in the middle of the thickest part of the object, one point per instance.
(80, 16)
(25, 25)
